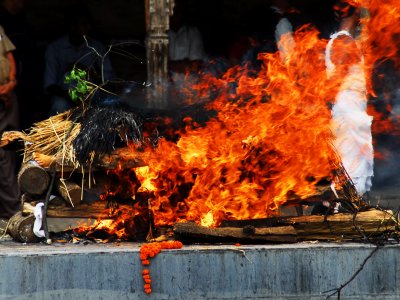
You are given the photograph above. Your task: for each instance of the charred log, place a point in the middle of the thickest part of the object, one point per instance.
(193, 232)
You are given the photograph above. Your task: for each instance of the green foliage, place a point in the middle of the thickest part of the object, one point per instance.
(80, 87)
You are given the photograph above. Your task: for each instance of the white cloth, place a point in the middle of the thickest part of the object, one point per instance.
(284, 38)
(37, 212)
(186, 43)
(283, 34)
(351, 124)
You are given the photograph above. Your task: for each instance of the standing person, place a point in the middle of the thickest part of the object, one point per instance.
(186, 49)
(186, 54)
(284, 27)
(27, 58)
(285, 20)
(74, 49)
(351, 123)
(9, 192)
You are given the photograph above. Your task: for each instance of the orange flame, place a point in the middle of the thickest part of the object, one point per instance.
(271, 138)
(380, 43)
(272, 134)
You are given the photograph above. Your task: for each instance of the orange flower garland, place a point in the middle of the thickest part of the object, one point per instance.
(149, 251)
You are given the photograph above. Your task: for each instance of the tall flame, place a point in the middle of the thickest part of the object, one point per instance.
(272, 135)
(271, 138)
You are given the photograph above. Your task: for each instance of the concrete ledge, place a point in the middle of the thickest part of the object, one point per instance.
(113, 271)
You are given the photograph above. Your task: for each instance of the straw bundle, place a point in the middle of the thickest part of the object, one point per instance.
(53, 137)
(78, 137)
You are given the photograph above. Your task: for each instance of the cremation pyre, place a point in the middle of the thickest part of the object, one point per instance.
(269, 145)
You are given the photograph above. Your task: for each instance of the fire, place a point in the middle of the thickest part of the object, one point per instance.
(271, 137)
(380, 43)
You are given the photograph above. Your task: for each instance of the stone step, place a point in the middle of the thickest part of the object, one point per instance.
(113, 271)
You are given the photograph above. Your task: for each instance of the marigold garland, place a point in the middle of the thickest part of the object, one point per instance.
(149, 251)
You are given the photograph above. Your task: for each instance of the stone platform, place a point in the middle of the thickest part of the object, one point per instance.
(113, 271)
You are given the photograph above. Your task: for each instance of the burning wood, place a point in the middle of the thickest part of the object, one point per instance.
(269, 145)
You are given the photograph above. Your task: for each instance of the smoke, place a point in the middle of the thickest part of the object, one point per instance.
(386, 85)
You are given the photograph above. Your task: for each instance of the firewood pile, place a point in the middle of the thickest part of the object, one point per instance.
(53, 174)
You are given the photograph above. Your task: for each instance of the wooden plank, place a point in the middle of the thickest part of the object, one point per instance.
(94, 210)
(333, 227)
(194, 232)
(344, 226)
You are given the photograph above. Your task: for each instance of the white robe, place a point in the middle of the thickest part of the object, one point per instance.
(351, 124)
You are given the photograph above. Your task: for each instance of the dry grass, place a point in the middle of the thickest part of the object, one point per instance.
(53, 137)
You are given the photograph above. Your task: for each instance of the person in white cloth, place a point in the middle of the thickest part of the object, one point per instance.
(186, 48)
(284, 27)
(351, 124)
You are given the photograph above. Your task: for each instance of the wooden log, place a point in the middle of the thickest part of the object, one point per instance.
(194, 232)
(343, 226)
(56, 201)
(21, 228)
(93, 210)
(33, 179)
(333, 227)
(69, 191)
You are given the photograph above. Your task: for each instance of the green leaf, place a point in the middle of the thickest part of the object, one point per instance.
(73, 94)
(81, 73)
(81, 87)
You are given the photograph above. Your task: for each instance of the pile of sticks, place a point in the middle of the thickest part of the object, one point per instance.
(49, 173)
(46, 177)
